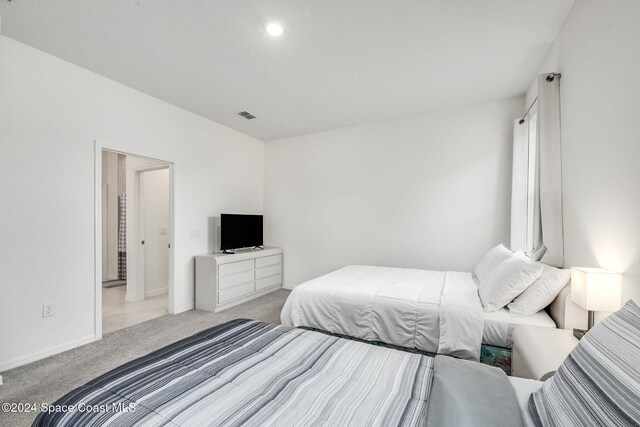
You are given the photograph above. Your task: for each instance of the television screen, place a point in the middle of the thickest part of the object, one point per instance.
(240, 231)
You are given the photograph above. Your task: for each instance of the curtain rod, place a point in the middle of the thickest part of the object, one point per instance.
(550, 77)
(528, 109)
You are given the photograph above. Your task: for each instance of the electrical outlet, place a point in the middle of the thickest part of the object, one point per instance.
(47, 310)
(194, 232)
(163, 231)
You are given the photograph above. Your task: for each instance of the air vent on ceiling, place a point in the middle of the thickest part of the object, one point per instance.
(247, 115)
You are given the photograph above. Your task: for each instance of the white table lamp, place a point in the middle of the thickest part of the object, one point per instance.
(595, 289)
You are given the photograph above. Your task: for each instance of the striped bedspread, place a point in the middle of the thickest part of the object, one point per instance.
(246, 372)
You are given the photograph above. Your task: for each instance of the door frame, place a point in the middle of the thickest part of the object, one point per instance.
(97, 264)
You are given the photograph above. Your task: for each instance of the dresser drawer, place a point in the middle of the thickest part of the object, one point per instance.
(225, 295)
(268, 282)
(268, 271)
(268, 260)
(235, 267)
(235, 279)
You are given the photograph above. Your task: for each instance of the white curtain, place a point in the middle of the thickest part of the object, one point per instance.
(536, 200)
(551, 239)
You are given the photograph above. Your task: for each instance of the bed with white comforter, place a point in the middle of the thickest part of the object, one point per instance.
(499, 325)
(434, 311)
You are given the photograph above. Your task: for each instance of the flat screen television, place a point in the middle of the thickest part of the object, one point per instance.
(239, 231)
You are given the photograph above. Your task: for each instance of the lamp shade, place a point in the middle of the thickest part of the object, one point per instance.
(595, 289)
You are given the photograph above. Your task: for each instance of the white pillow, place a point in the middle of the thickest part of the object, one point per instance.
(490, 260)
(520, 254)
(507, 281)
(541, 292)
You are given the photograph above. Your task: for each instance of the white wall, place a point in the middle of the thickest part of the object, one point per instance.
(598, 53)
(430, 191)
(50, 114)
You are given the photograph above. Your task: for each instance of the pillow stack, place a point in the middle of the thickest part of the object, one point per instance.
(507, 279)
(490, 261)
(541, 292)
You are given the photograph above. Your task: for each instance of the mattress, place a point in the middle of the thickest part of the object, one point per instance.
(499, 325)
(523, 388)
(434, 311)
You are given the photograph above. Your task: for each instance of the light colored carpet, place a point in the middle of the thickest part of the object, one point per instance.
(49, 379)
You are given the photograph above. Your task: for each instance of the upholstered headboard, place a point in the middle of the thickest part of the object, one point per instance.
(566, 313)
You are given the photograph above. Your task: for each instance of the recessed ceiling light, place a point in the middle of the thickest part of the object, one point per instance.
(274, 29)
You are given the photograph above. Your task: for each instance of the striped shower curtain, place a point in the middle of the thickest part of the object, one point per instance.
(122, 237)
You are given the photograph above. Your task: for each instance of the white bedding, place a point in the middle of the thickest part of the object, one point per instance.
(433, 311)
(523, 388)
(499, 325)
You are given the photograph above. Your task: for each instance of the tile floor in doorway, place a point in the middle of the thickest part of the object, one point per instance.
(118, 313)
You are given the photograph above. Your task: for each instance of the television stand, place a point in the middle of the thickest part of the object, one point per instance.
(225, 280)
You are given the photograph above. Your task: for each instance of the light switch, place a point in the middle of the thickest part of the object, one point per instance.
(194, 232)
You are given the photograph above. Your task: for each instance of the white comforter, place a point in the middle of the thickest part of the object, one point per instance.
(430, 310)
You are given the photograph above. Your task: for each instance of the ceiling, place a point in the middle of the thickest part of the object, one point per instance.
(339, 63)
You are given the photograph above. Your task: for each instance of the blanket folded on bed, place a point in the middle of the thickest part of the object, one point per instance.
(434, 311)
(466, 393)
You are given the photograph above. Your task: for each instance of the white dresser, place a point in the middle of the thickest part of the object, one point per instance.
(225, 280)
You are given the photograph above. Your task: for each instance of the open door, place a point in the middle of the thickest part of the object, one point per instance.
(143, 250)
(155, 243)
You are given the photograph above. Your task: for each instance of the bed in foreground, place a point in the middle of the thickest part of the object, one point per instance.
(251, 373)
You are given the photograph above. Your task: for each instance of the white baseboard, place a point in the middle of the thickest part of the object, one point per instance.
(184, 308)
(19, 361)
(155, 292)
(288, 287)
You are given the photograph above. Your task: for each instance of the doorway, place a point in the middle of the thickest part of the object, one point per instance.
(136, 233)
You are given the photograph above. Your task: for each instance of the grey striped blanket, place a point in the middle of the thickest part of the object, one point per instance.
(599, 383)
(246, 372)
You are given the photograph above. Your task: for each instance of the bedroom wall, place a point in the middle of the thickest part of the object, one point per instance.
(598, 53)
(50, 114)
(430, 191)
